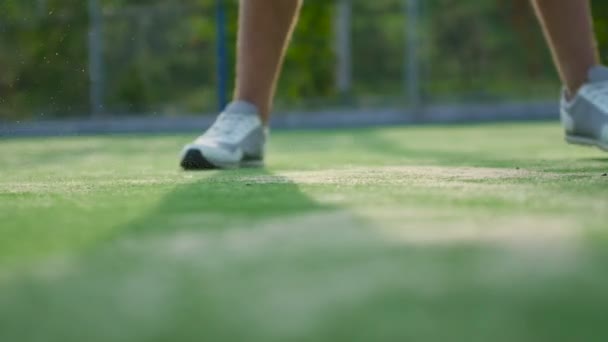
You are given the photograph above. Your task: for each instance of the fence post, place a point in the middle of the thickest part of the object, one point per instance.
(41, 8)
(412, 65)
(222, 54)
(96, 76)
(343, 34)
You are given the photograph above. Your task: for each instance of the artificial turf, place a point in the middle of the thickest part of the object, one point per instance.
(441, 233)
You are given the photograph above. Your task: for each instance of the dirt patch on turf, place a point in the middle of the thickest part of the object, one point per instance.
(422, 175)
(392, 174)
(78, 186)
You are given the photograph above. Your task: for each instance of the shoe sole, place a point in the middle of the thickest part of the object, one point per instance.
(194, 160)
(577, 140)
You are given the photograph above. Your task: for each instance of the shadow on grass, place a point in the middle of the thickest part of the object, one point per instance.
(224, 199)
(169, 275)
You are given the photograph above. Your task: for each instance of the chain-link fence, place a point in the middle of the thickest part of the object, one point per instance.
(77, 58)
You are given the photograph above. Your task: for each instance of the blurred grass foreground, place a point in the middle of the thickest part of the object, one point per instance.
(392, 234)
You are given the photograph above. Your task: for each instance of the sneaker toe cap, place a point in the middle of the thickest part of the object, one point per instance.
(215, 154)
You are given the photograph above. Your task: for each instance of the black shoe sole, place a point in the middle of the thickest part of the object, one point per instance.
(195, 161)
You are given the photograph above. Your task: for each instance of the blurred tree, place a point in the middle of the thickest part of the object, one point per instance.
(490, 47)
(42, 58)
(160, 57)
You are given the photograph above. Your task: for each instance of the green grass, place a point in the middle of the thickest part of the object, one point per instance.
(464, 233)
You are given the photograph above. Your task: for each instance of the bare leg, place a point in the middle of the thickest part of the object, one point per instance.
(265, 27)
(568, 27)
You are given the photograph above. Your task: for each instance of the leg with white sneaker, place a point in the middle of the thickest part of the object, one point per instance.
(568, 27)
(238, 136)
(236, 139)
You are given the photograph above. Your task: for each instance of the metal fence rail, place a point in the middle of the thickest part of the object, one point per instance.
(328, 119)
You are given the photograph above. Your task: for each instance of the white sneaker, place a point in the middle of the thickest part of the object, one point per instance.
(236, 139)
(585, 117)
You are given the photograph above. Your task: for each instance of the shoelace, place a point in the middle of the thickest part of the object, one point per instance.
(225, 125)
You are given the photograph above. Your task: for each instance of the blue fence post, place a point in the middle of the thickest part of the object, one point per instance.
(222, 54)
(412, 63)
(95, 52)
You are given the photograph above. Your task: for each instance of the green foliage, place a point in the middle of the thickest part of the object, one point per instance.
(600, 13)
(486, 48)
(310, 61)
(160, 56)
